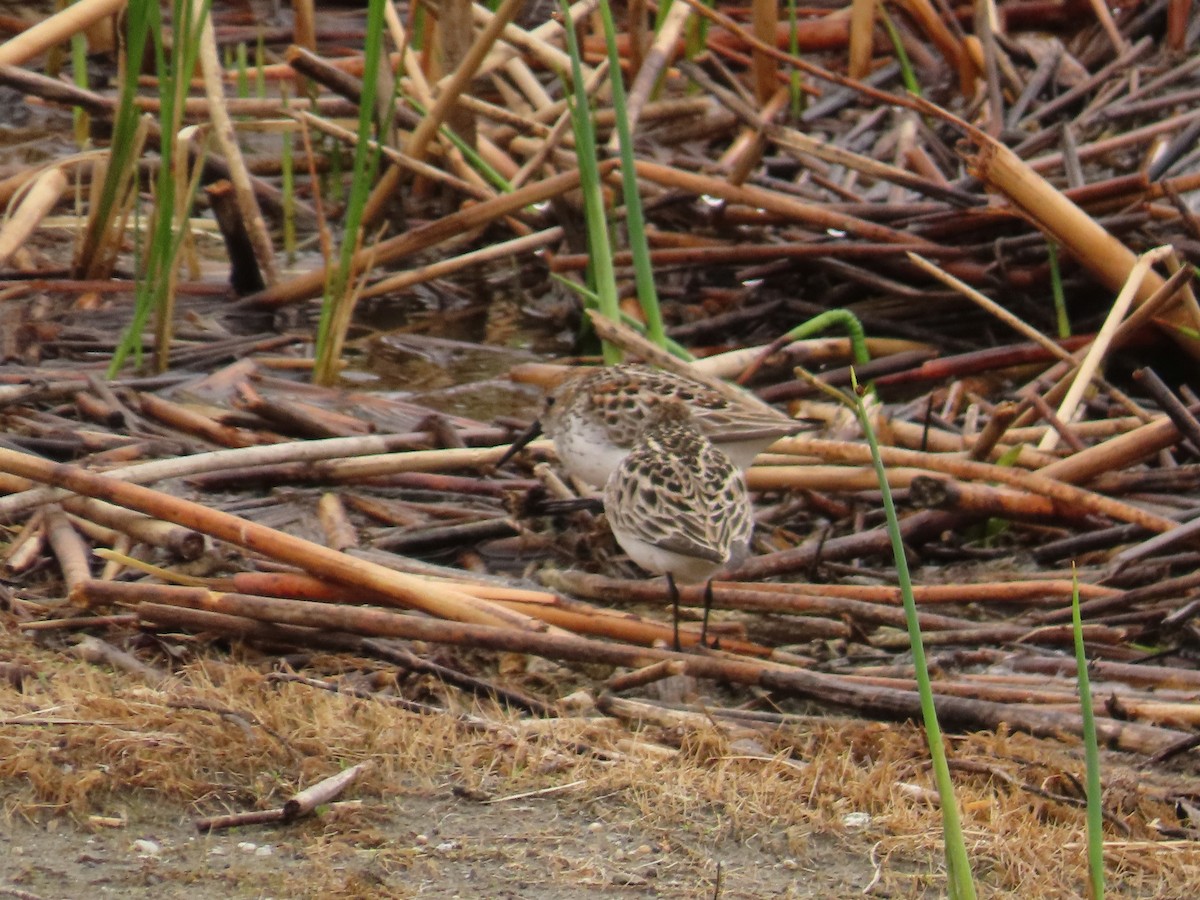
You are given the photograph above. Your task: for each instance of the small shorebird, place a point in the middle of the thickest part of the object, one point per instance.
(678, 505)
(595, 417)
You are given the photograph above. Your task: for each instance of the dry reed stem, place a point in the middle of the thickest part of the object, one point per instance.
(56, 29)
(403, 160)
(745, 151)
(862, 37)
(1103, 340)
(793, 139)
(44, 191)
(771, 201)
(560, 130)
(1010, 591)
(503, 250)
(1012, 321)
(406, 590)
(984, 501)
(969, 470)
(537, 41)
(68, 547)
(223, 131)
(951, 48)
(570, 614)
(532, 42)
(310, 284)
(1107, 258)
(954, 711)
(435, 116)
(746, 597)
(219, 460)
(659, 56)
(827, 479)
(183, 542)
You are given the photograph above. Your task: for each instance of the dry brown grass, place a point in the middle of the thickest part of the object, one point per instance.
(219, 736)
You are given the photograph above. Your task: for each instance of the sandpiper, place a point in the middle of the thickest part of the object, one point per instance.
(678, 505)
(594, 419)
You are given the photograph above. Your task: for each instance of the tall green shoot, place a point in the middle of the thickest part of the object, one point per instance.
(94, 257)
(1091, 749)
(958, 867)
(338, 303)
(601, 269)
(635, 221)
(155, 289)
(1061, 319)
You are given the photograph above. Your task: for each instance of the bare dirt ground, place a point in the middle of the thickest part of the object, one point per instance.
(104, 776)
(424, 847)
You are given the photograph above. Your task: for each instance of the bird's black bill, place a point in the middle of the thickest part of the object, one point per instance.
(673, 590)
(519, 444)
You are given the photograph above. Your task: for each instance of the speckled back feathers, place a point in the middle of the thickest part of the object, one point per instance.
(594, 418)
(676, 503)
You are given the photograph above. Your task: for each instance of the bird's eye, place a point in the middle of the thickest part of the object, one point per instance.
(550, 402)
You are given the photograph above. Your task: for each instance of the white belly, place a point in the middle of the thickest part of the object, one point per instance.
(586, 451)
(688, 569)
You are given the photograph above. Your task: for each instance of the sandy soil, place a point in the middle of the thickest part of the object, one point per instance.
(445, 846)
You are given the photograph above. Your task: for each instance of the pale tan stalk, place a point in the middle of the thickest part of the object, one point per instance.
(1014, 322)
(222, 130)
(438, 109)
(1108, 260)
(304, 24)
(45, 191)
(661, 52)
(310, 284)
(179, 467)
(639, 34)
(1099, 347)
(410, 65)
(537, 41)
(560, 129)
(1100, 8)
(404, 590)
(1115, 454)
(862, 37)
(412, 461)
(457, 82)
(731, 363)
(834, 479)
(765, 21)
(969, 470)
(772, 201)
(526, 82)
(56, 29)
(399, 158)
(930, 21)
(504, 250)
(546, 53)
(745, 151)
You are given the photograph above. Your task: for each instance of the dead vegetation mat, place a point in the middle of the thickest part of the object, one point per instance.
(223, 586)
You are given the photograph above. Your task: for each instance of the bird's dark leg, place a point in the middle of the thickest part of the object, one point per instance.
(673, 591)
(708, 602)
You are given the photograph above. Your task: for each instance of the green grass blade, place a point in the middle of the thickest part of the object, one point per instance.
(1056, 290)
(907, 74)
(635, 220)
(338, 303)
(958, 866)
(1091, 749)
(604, 278)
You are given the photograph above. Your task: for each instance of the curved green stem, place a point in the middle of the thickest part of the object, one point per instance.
(829, 318)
